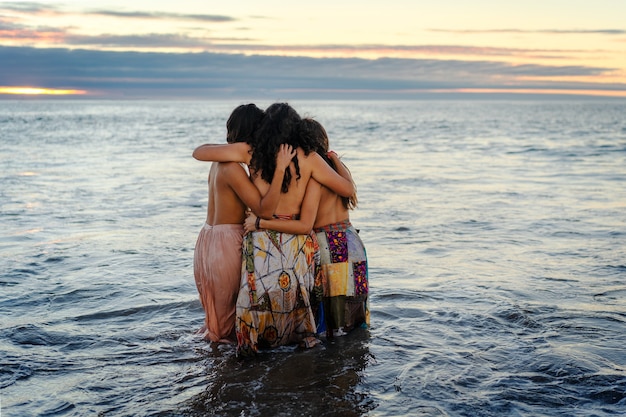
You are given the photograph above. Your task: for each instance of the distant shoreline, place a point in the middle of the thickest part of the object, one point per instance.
(322, 97)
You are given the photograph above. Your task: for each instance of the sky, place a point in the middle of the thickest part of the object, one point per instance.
(341, 49)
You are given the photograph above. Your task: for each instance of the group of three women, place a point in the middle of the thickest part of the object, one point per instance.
(300, 269)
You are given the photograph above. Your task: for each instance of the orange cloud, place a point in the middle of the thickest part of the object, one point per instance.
(19, 37)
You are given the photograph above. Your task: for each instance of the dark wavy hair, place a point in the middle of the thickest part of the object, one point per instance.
(280, 125)
(314, 135)
(244, 120)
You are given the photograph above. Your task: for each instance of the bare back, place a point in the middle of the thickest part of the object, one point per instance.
(330, 209)
(290, 202)
(225, 206)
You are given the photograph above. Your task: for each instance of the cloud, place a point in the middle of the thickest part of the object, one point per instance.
(15, 32)
(395, 50)
(162, 15)
(153, 40)
(12, 31)
(188, 40)
(156, 41)
(134, 74)
(6, 25)
(26, 7)
(39, 8)
(64, 37)
(542, 31)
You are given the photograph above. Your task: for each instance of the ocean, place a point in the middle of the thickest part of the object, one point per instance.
(496, 239)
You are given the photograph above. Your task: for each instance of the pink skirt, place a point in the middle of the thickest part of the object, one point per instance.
(217, 271)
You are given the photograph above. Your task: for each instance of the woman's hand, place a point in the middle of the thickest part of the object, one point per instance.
(249, 224)
(284, 156)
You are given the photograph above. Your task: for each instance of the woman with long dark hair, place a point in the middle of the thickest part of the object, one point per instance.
(217, 254)
(342, 252)
(279, 272)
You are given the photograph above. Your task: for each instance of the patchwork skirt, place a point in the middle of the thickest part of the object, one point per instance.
(344, 264)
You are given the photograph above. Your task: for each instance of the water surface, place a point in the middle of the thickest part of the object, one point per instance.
(495, 233)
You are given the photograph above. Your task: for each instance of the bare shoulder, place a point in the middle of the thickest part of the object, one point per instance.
(232, 168)
(310, 157)
(300, 153)
(244, 150)
(241, 145)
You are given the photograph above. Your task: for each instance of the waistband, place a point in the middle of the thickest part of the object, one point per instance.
(286, 216)
(334, 227)
(235, 226)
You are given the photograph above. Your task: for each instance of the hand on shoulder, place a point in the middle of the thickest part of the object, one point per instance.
(284, 156)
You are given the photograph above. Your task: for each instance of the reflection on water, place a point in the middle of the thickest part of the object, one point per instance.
(325, 380)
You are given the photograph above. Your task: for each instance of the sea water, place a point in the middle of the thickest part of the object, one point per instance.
(496, 238)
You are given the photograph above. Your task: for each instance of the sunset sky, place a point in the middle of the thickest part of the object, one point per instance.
(323, 49)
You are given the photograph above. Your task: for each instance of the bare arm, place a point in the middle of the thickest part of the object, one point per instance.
(325, 175)
(264, 206)
(231, 152)
(299, 227)
(342, 169)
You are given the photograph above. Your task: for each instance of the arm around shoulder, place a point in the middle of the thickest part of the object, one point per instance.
(231, 152)
(302, 226)
(325, 175)
(341, 168)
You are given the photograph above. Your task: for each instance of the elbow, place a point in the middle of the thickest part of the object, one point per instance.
(200, 153)
(348, 191)
(267, 215)
(261, 211)
(305, 229)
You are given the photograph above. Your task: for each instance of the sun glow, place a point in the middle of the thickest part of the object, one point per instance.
(31, 91)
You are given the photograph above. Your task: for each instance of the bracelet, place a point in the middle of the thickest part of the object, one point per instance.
(257, 223)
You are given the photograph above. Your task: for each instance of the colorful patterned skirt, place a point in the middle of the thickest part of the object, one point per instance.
(280, 274)
(344, 264)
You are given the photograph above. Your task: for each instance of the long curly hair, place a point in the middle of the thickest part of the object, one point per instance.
(280, 125)
(314, 135)
(243, 121)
